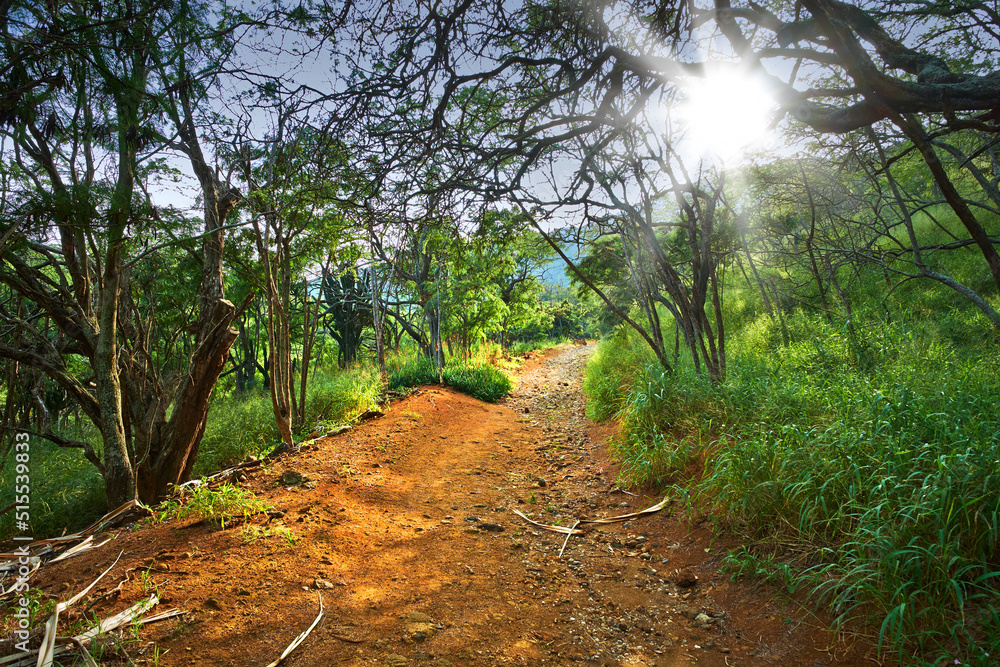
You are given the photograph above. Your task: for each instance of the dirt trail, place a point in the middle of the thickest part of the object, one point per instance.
(404, 526)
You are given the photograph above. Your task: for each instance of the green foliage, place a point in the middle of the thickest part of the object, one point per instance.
(66, 490)
(612, 371)
(480, 380)
(242, 425)
(413, 373)
(238, 426)
(872, 448)
(483, 381)
(340, 397)
(218, 506)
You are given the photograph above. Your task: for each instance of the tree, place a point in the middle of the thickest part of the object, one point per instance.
(88, 87)
(292, 179)
(871, 75)
(347, 297)
(524, 107)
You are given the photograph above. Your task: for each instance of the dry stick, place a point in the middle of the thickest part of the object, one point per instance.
(46, 651)
(566, 541)
(615, 519)
(121, 618)
(301, 638)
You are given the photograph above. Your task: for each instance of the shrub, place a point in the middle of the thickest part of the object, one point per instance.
(413, 373)
(483, 382)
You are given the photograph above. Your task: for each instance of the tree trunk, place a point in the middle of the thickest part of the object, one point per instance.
(172, 456)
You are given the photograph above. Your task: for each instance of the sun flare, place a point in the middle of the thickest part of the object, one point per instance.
(725, 113)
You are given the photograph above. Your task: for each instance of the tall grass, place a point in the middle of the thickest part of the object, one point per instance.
(474, 376)
(66, 491)
(873, 452)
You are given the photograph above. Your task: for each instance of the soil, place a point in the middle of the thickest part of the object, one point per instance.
(404, 527)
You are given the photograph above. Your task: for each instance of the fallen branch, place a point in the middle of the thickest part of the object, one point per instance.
(301, 638)
(46, 653)
(575, 531)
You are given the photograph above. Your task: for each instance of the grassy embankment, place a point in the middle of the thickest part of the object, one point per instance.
(861, 463)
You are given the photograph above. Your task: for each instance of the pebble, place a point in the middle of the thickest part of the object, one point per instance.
(685, 579)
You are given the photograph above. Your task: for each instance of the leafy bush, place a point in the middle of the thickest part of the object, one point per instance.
(483, 382)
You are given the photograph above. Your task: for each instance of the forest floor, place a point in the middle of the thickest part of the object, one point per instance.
(404, 526)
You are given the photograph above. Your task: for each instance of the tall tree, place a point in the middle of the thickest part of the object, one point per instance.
(93, 95)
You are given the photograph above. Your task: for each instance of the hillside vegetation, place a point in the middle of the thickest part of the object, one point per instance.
(858, 457)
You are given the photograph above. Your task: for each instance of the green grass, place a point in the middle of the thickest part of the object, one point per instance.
(874, 453)
(226, 503)
(478, 379)
(483, 381)
(412, 372)
(66, 490)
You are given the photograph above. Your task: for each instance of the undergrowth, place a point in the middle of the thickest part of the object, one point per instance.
(219, 506)
(479, 380)
(875, 453)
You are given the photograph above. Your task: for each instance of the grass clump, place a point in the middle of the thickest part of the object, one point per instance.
(342, 396)
(218, 506)
(478, 379)
(483, 382)
(413, 372)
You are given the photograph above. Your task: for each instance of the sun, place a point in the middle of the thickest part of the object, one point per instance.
(725, 113)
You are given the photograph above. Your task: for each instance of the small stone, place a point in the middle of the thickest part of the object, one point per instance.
(703, 619)
(685, 579)
(491, 527)
(418, 626)
(292, 478)
(322, 584)
(417, 617)
(396, 660)
(541, 483)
